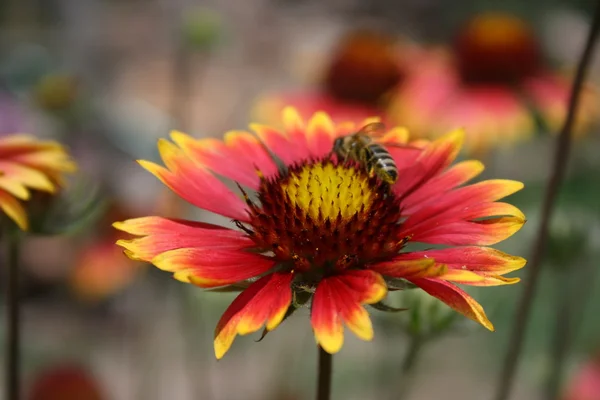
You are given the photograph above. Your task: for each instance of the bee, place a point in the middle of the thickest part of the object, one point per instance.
(361, 147)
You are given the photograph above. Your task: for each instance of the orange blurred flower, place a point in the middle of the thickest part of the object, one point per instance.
(100, 270)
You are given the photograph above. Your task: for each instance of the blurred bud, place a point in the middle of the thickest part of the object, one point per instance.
(56, 92)
(568, 239)
(64, 382)
(426, 316)
(585, 384)
(67, 212)
(202, 29)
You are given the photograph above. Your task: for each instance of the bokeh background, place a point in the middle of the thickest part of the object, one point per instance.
(110, 77)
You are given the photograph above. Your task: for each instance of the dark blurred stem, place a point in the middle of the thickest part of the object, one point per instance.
(563, 329)
(561, 156)
(408, 364)
(12, 318)
(325, 368)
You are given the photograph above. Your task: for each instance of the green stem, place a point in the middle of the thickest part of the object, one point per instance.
(325, 371)
(561, 157)
(408, 364)
(12, 319)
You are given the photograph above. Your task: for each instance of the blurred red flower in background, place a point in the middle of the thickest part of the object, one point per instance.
(493, 82)
(65, 382)
(363, 68)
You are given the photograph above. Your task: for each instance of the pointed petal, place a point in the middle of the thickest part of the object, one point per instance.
(471, 278)
(473, 258)
(319, 134)
(164, 234)
(438, 186)
(14, 210)
(276, 141)
(432, 161)
(27, 176)
(195, 184)
(14, 187)
(340, 299)
(237, 159)
(458, 204)
(325, 318)
(402, 267)
(295, 129)
(456, 298)
(480, 233)
(208, 267)
(264, 302)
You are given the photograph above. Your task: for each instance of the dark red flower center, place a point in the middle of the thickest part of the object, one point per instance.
(323, 215)
(496, 48)
(364, 68)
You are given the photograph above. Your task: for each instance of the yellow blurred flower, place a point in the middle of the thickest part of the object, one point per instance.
(28, 164)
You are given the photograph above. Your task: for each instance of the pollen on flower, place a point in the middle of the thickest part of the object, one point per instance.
(325, 215)
(325, 191)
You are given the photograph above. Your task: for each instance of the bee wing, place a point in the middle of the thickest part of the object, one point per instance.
(399, 145)
(373, 129)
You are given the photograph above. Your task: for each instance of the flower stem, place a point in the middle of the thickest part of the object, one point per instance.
(561, 156)
(12, 318)
(407, 367)
(325, 368)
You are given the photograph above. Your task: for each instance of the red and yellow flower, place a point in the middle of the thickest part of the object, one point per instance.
(364, 67)
(492, 82)
(28, 164)
(325, 228)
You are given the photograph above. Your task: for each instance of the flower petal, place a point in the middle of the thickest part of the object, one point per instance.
(208, 267)
(456, 298)
(319, 134)
(164, 234)
(339, 299)
(264, 302)
(295, 129)
(400, 267)
(471, 278)
(195, 184)
(432, 161)
(465, 203)
(480, 233)
(237, 158)
(472, 258)
(27, 176)
(438, 186)
(14, 210)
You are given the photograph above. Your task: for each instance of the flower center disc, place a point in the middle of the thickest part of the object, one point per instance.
(496, 48)
(324, 215)
(364, 68)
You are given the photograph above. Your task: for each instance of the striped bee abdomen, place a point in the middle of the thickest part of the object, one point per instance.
(381, 163)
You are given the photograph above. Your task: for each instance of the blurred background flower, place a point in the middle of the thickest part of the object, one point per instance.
(64, 382)
(494, 80)
(585, 383)
(99, 77)
(361, 69)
